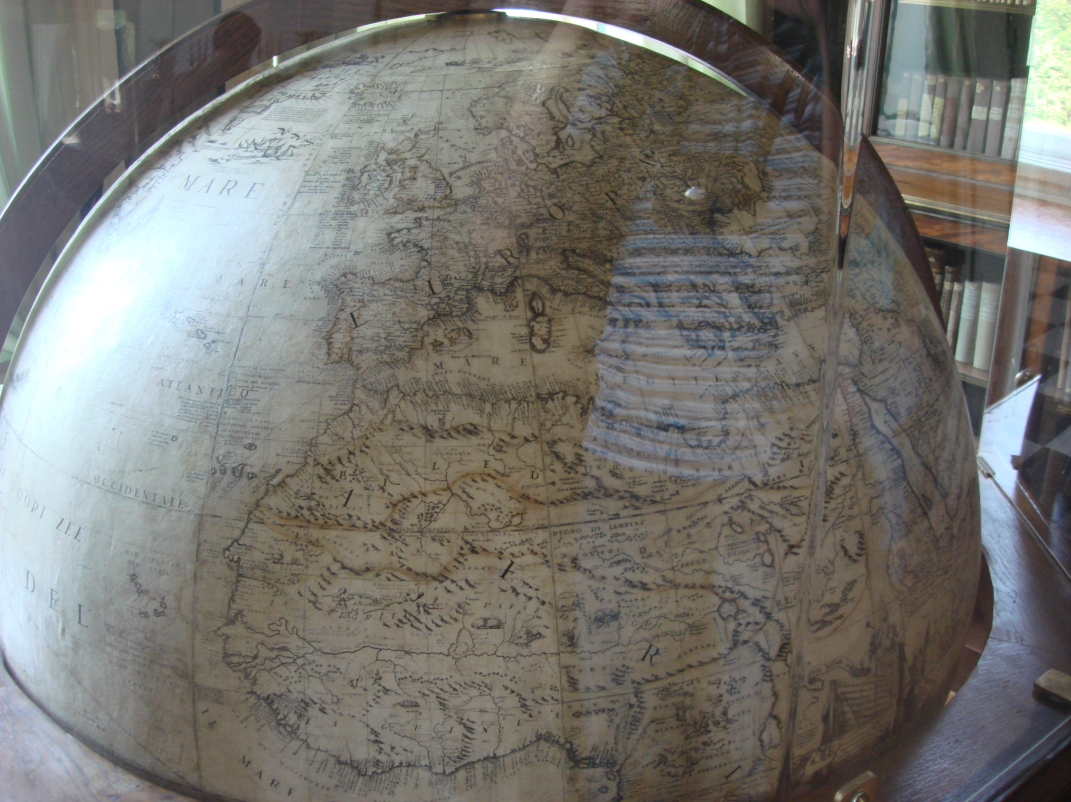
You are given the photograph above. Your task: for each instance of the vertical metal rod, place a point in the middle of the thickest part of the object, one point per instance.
(862, 21)
(857, 52)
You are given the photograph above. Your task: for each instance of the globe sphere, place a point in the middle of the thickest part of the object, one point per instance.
(441, 416)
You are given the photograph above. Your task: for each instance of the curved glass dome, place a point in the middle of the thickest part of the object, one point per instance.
(438, 416)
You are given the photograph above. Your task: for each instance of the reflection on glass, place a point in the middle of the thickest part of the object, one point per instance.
(454, 427)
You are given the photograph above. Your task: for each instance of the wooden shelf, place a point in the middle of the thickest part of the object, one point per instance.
(972, 375)
(971, 166)
(939, 181)
(1044, 183)
(960, 232)
(975, 5)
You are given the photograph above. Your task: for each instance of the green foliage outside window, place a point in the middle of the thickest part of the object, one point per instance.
(1050, 60)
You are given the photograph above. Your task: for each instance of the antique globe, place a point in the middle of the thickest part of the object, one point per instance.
(441, 416)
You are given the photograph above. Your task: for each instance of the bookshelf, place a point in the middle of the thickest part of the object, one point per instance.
(969, 282)
(954, 76)
(976, 5)
(946, 118)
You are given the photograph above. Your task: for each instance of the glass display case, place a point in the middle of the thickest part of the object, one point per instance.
(987, 185)
(948, 121)
(1030, 371)
(557, 397)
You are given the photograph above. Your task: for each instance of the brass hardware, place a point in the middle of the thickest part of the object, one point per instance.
(863, 788)
(1054, 686)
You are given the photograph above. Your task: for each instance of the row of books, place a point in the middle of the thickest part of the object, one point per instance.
(969, 311)
(974, 115)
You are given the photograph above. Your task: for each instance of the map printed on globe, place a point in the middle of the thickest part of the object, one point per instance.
(436, 418)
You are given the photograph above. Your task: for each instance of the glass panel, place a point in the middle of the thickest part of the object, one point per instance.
(490, 401)
(57, 59)
(1038, 309)
(948, 126)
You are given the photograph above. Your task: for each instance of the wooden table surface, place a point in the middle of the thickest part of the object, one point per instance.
(40, 762)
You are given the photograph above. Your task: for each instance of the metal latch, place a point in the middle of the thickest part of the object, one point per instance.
(1054, 686)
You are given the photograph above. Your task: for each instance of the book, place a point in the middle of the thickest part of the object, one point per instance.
(895, 101)
(988, 305)
(963, 120)
(952, 332)
(937, 258)
(938, 111)
(914, 107)
(968, 321)
(983, 91)
(901, 109)
(951, 111)
(951, 277)
(1013, 120)
(994, 132)
(895, 105)
(929, 90)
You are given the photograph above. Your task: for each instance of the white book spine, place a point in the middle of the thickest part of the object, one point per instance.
(914, 106)
(968, 321)
(951, 274)
(988, 304)
(926, 111)
(903, 103)
(1014, 123)
(994, 134)
(935, 120)
(900, 129)
(956, 306)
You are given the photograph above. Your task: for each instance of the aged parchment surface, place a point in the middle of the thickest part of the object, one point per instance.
(436, 421)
